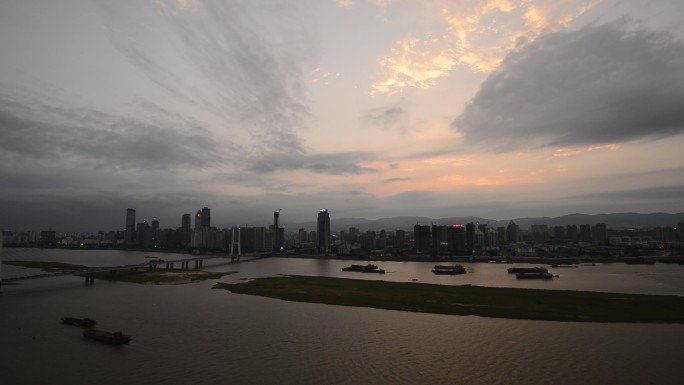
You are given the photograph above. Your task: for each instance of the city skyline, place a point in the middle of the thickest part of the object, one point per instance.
(369, 109)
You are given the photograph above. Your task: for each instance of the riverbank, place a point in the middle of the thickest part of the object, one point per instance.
(51, 267)
(164, 277)
(548, 305)
(156, 277)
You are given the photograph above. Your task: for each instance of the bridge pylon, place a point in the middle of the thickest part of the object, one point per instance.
(235, 241)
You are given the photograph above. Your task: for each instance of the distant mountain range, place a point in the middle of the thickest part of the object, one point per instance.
(618, 220)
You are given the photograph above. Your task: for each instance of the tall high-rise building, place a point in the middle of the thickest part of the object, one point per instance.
(400, 239)
(512, 233)
(186, 230)
(129, 237)
(600, 233)
(470, 236)
(585, 232)
(277, 243)
(206, 217)
(456, 239)
(198, 219)
(421, 235)
(323, 231)
(185, 221)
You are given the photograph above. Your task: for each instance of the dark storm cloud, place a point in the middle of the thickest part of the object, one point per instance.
(66, 136)
(86, 211)
(330, 164)
(601, 84)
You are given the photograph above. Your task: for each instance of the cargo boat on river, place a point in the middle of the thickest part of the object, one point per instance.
(448, 270)
(541, 275)
(369, 268)
(516, 270)
(115, 338)
(80, 322)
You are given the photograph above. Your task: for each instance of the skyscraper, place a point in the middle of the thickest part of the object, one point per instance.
(421, 236)
(198, 219)
(512, 233)
(323, 231)
(206, 217)
(186, 230)
(129, 237)
(276, 230)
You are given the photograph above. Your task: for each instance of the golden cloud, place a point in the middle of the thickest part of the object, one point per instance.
(567, 152)
(477, 36)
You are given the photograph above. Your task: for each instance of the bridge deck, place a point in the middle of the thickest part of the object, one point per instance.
(94, 270)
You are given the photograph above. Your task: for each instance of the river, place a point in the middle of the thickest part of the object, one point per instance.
(192, 334)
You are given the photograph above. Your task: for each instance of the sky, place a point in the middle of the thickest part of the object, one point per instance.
(367, 108)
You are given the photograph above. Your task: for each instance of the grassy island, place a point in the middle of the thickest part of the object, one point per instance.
(549, 305)
(162, 277)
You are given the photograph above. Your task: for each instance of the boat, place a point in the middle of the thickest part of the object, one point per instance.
(449, 270)
(360, 267)
(115, 338)
(369, 268)
(540, 275)
(639, 261)
(81, 322)
(570, 266)
(516, 270)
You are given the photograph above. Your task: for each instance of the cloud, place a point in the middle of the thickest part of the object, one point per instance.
(414, 63)
(390, 117)
(392, 180)
(567, 152)
(247, 63)
(329, 164)
(376, 3)
(660, 193)
(601, 84)
(477, 35)
(66, 136)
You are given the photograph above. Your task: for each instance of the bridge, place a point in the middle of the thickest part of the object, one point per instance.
(151, 265)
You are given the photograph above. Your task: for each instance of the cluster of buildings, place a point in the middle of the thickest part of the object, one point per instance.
(436, 240)
(202, 235)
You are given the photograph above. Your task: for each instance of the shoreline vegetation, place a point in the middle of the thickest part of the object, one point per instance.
(511, 303)
(157, 277)
(162, 277)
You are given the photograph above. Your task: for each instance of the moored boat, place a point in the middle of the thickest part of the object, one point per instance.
(449, 270)
(115, 338)
(540, 275)
(81, 322)
(640, 261)
(359, 267)
(369, 268)
(516, 270)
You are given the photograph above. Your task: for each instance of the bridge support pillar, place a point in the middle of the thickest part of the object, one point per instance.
(200, 263)
(196, 263)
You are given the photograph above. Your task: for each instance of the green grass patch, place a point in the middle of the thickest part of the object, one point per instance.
(161, 277)
(549, 305)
